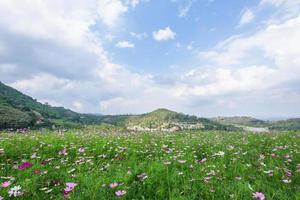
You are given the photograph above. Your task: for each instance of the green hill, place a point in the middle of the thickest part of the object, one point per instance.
(241, 121)
(167, 120)
(289, 124)
(18, 110)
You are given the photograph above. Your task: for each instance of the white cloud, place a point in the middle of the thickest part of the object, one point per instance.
(164, 34)
(246, 17)
(276, 62)
(110, 11)
(124, 44)
(61, 60)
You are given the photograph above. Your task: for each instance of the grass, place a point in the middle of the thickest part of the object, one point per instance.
(236, 165)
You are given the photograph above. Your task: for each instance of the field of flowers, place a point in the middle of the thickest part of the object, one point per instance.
(184, 165)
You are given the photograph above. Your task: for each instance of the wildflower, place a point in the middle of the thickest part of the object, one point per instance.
(63, 152)
(24, 165)
(142, 176)
(269, 172)
(81, 150)
(220, 153)
(288, 173)
(1, 198)
(15, 191)
(113, 185)
(33, 156)
(69, 188)
(201, 161)
(182, 161)
(120, 193)
(167, 162)
(286, 181)
(5, 184)
(259, 196)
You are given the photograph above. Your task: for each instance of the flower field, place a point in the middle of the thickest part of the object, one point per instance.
(184, 165)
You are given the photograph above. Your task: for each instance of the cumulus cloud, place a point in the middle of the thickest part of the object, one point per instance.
(110, 11)
(51, 51)
(124, 44)
(164, 34)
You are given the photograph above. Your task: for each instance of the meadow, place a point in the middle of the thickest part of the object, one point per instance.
(91, 164)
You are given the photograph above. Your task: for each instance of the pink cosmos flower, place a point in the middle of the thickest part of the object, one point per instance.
(113, 185)
(288, 173)
(1, 198)
(25, 165)
(5, 184)
(259, 196)
(63, 152)
(69, 188)
(71, 185)
(120, 193)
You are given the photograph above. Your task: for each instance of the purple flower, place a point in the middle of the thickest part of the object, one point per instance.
(71, 185)
(5, 184)
(120, 193)
(288, 173)
(259, 196)
(24, 165)
(63, 152)
(69, 188)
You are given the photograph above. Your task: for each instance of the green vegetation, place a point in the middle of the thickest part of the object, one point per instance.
(183, 165)
(242, 121)
(21, 111)
(289, 124)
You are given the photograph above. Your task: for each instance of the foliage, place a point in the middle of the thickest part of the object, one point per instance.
(242, 121)
(183, 165)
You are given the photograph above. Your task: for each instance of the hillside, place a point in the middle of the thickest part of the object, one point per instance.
(18, 110)
(289, 124)
(241, 121)
(169, 121)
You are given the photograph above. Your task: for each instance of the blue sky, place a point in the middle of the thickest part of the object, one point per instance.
(202, 57)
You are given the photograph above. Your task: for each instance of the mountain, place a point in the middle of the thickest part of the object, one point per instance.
(18, 110)
(169, 121)
(241, 121)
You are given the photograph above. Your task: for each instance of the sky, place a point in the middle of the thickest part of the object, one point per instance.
(201, 57)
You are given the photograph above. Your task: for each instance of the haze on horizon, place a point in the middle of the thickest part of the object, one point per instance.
(201, 57)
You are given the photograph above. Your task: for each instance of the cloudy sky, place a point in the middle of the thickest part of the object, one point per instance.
(202, 57)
